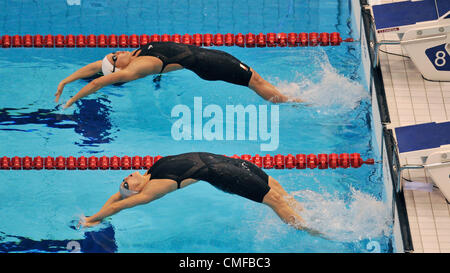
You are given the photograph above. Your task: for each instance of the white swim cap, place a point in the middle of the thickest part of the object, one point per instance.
(125, 192)
(107, 66)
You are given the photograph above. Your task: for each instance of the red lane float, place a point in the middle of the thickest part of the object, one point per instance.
(144, 39)
(257, 160)
(197, 39)
(333, 161)
(239, 40)
(5, 163)
(289, 161)
(292, 39)
(134, 41)
(176, 38)
(324, 39)
(218, 39)
(71, 163)
(268, 162)
(59, 41)
(115, 163)
(125, 163)
(80, 41)
(136, 162)
(27, 163)
(69, 41)
(28, 41)
(229, 39)
(279, 162)
(313, 38)
(6, 41)
(271, 39)
(112, 41)
(82, 163)
(103, 163)
(250, 40)
(91, 40)
(303, 39)
(38, 163)
(157, 158)
(123, 41)
(246, 157)
(17, 41)
(147, 162)
(207, 39)
(282, 39)
(311, 161)
(187, 39)
(299, 161)
(60, 163)
(93, 163)
(261, 40)
(49, 40)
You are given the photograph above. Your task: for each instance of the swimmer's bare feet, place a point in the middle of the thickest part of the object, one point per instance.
(296, 100)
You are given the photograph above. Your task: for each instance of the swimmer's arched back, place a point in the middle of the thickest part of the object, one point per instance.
(231, 175)
(163, 57)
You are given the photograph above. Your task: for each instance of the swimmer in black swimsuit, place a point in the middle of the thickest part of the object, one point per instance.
(163, 57)
(235, 176)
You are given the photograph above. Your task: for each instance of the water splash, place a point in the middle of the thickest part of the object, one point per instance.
(325, 88)
(73, 2)
(363, 217)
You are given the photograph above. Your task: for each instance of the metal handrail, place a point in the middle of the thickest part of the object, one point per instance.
(377, 48)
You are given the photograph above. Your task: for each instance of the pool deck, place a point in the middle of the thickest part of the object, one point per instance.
(413, 100)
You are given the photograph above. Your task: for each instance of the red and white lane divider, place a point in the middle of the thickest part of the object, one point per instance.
(299, 161)
(292, 39)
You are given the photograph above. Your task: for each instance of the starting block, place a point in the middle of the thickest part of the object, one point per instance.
(431, 143)
(423, 28)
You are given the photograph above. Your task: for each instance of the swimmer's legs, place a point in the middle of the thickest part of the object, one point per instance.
(273, 184)
(280, 206)
(266, 90)
(282, 209)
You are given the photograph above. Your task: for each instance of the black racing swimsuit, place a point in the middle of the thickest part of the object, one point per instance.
(235, 176)
(208, 64)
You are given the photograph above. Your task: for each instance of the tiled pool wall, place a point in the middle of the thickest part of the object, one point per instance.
(381, 143)
(412, 100)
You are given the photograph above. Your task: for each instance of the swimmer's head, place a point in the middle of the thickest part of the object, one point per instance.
(115, 61)
(132, 184)
(125, 191)
(108, 67)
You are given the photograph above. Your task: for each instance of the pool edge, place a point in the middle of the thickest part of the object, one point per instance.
(401, 227)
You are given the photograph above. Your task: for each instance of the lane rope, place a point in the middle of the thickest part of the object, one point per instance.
(249, 40)
(299, 161)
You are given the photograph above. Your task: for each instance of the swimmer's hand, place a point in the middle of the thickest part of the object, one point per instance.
(68, 103)
(59, 91)
(85, 222)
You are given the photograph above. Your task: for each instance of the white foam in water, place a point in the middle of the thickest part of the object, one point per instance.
(329, 89)
(363, 218)
(74, 2)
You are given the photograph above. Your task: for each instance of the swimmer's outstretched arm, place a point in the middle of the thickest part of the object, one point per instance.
(115, 204)
(95, 85)
(84, 72)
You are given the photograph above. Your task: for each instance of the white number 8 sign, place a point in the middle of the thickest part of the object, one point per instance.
(440, 58)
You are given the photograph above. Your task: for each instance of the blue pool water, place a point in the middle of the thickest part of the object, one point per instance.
(38, 208)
